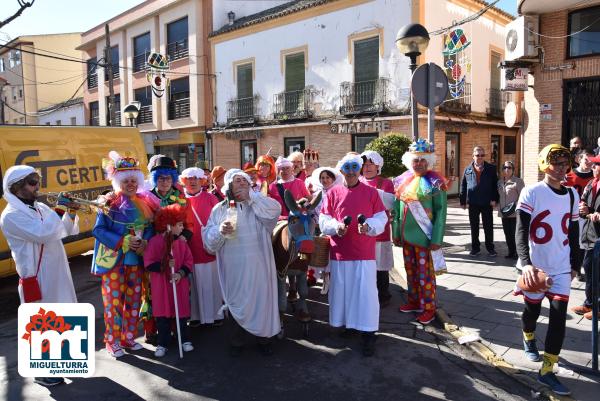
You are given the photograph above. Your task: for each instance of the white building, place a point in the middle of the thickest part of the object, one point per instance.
(67, 113)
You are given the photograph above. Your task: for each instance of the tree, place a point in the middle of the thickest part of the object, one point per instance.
(22, 6)
(391, 148)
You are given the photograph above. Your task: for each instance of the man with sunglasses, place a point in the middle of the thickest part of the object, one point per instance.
(479, 193)
(34, 232)
(353, 301)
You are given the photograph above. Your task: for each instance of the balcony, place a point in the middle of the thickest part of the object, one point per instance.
(179, 108)
(364, 97)
(139, 62)
(177, 50)
(460, 104)
(242, 111)
(115, 72)
(94, 120)
(117, 122)
(294, 105)
(145, 115)
(497, 101)
(92, 80)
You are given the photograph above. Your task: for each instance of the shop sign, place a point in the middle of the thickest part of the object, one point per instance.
(514, 79)
(360, 127)
(249, 134)
(166, 135)
(452, 126)
(546, 111)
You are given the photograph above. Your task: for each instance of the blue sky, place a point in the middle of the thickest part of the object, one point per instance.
(61, 16)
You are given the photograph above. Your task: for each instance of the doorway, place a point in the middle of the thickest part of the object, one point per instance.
(452, 161)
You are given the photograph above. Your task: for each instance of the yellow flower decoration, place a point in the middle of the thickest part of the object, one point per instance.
(172, 197)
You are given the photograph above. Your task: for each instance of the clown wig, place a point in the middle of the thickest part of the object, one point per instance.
(164, 171)
(169, 216)
(119, 168)
(408, 157)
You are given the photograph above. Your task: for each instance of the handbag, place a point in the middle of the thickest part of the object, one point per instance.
(30, 285)
(509, 209)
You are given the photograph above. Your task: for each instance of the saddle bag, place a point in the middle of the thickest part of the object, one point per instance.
(320, 256)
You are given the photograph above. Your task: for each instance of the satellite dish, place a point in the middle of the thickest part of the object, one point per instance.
(512, 39)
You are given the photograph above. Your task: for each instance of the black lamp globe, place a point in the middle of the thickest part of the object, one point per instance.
(412, 40)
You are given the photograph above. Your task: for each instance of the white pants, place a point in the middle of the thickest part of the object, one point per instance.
(206, 293)
(384, 255)
(353, 301)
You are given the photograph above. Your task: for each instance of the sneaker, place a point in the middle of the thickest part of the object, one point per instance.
(407, 308)
(151, 339)
(474, 252)
(581, 309)
(115, 350)
(132, 345)
(193, 323)
(493, 253)
(48, 381)
(531, 350)
(187, 346)
(160, 351)
(550, 380)
(426, 317)
(589, 315)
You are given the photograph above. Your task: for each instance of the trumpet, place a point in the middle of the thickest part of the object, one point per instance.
(83, 205)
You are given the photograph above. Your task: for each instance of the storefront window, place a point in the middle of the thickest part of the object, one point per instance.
(248, 151)
(291, 145)
(186, 155)
(360, 141)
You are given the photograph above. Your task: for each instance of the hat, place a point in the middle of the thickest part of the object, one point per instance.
(217, 172)
(374, 157)
(594, 159)
(311, 156)
(248, 167)
(118, 168)
(282, 162)
(551, 153)
(153, 160)
(267, 159)
(192, 172)
(229, 176)
(316, 182)
(421, 146)
(164, 162)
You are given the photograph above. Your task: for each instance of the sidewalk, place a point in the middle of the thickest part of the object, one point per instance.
(476, 294)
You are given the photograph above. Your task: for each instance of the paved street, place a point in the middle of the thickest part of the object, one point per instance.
(410, 363)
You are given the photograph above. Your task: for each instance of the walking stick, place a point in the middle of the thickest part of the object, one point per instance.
(172, 266)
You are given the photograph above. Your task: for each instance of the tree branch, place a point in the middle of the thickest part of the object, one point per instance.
(23, 5)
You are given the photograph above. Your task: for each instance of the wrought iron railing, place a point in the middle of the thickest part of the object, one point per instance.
(115, 72)
(92, 80)
(94, 119)
(364, 96)
(139, 62)
(179, 108)
(459, 104)
(177, 50)
(242, 111)
(497, 101)
(145, 115)
(117, 122)
(293, 105)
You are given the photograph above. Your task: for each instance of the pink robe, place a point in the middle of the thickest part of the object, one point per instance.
(202, 204)
(386, 185)
(296, 187)
(163, 303)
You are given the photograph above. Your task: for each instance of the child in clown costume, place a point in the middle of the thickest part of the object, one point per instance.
(418, 225)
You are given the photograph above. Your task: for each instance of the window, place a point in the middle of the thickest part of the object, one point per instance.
(2, 66)
(179, 98)
(114, 54)
(20, 93)
(360, 141)
(91, 73)
(48, 123)
(73, 120)
(510, 145)
(94, 114)
(22, 120)
(291, 145)
(294, 72)
(144, 96)
(366, 59)
(494, 70)
(248, 151)
(14, 58)
(141, 50)
(177, 39)
(117, 121)
(586, 42)
(58, 122)
(244, 81)
(14, 93)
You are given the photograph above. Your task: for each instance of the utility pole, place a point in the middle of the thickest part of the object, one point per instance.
(111, 90)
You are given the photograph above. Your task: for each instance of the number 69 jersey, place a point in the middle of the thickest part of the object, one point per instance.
(549, 228)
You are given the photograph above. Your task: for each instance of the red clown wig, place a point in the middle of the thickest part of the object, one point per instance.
(169, 216)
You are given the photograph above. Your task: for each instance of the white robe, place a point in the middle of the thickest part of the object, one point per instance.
(25, 231)
(246, 265)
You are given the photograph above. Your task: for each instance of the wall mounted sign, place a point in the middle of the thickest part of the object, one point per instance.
(546, 111)
(166, 135)
(360, 127)
(250, 134)
(457, 62)
(514, 79)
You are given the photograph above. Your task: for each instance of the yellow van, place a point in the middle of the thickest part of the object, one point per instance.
(68, 159)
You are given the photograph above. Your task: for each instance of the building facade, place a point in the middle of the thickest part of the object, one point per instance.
(33, 81)
(172, 122)
(67, 113)
(327, 75)
(564, 75)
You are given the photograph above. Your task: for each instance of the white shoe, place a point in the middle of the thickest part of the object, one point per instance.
(187, 347)
(160, 351)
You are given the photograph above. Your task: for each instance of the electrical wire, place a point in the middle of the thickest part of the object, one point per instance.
(470, 18)
(564, 36)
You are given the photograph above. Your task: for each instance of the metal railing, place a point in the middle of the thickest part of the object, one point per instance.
(95, 119)
(177, 50)
(242, 111)
(179, 108)
(364, 96)
(117, 122)
(145, 115)
(139, 62)
(497, 101)
(293, 105)
(115, 72)
(459, 104)
(92, 80)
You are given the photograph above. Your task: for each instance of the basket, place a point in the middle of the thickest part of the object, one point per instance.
(320, 256)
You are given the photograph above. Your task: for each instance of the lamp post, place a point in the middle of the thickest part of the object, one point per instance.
(131, 112)
(412, 40)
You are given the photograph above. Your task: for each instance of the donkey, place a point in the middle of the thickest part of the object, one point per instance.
(292, 245)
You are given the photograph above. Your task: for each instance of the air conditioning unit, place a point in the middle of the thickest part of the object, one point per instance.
(521, 38)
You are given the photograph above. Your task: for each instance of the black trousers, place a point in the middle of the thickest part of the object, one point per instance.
(166, 326)
(555, 334)
(239, 334)
(509, 226)
(588, 259)
(488, 226)
(383, 285)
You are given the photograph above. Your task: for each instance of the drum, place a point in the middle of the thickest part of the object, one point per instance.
(320, 256)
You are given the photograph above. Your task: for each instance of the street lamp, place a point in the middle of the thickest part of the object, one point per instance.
(131, 112)
(412, 40)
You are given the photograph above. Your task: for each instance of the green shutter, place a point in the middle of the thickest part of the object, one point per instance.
(366, 59)
(244, 81)
(294, 72)
(495, 71)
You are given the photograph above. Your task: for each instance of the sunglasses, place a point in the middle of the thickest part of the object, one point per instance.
(350, 167)
(479, 155)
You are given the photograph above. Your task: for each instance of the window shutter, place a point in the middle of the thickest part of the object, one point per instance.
(294, 72)
(494, 71)
(244, 81)
(366, 59)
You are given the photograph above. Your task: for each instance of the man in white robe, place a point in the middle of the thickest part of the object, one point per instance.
(353, 301)
(34, 232)
(246, 265)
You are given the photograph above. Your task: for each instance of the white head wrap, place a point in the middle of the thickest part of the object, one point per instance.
(349, 158)
(12, 175)
(230, 175)
(374, 157)
(283, 162)
(192, 172)
(316, 182)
